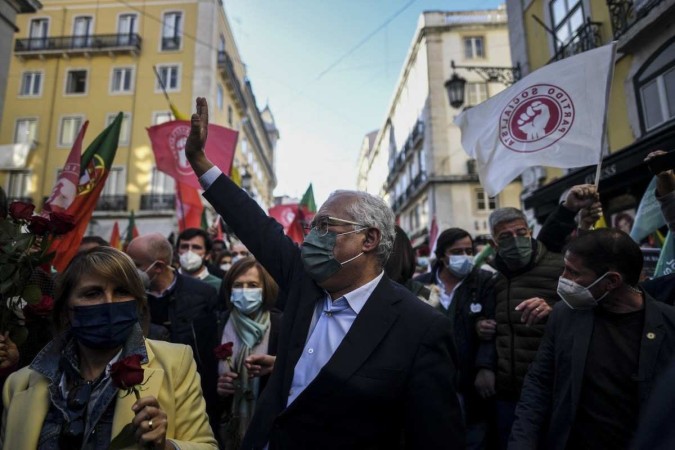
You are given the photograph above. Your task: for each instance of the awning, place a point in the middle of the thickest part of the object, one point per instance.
(622, 172)
(14, 156)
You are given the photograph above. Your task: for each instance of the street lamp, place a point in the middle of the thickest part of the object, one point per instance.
(246, 182)
(456, 84)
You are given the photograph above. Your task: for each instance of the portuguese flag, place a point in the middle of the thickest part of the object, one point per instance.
(94, 167)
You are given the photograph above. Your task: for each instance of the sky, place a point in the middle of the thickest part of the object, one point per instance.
(327, 69)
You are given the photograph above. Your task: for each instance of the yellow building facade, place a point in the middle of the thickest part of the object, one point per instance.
(75, 61)
(641, 109)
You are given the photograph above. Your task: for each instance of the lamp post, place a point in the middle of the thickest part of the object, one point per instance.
(246, 182)
(455, 86)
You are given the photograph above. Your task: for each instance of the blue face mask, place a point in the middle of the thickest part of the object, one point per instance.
(104, 326)
(246, 300)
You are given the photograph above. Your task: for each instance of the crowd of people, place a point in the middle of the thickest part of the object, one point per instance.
(519, 341)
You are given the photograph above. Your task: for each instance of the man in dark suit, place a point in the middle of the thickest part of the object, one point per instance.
(362, 363)
(605, 345)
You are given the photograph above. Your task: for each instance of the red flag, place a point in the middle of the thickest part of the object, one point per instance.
(168, 145)
(189, 206)
(433, 236)
(65, 188)
(219, 229)
(291, 217)
(94, 167)
(115, 239)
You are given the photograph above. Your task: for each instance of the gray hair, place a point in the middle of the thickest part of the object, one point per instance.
(159, 248)
(503, 215)
(374, 212)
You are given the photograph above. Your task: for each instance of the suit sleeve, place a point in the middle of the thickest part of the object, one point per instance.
(537, 394)
(261, 234)
(433, 417)
(192, 429)
(556, 230)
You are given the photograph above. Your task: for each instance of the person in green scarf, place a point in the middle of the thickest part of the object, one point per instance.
(248, 329)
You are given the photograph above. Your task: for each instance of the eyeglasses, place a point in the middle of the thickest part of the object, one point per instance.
(322, 223)
(77, 401)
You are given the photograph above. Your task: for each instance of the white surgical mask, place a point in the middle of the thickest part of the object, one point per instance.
(460, 265)
(225, 267)
(246, 300)
(577, 296)
(190, 261)
(236, 258)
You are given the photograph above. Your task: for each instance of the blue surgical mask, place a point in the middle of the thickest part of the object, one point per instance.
(246, 300)
(317, 255)
(104, 326)
(460, 265)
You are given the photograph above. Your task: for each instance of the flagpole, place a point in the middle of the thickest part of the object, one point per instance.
(182, 205)
(161, 84)
(610, 77)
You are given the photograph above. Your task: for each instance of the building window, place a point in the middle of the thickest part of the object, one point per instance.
(566, 16)
(122, 80)
(126, 28)
(162, 117)
(17, 185)
(172, 30)
(25, 131)
(221, 43)
(220, 95)
(82, 31)
(39, 30)
(31, 84)
(114, 184)
(476, 93)
(169, 76)
(70, 126)
(655, 88)
(76, 82)
(483, 202)
(161, 183)
(474, 47)
(125, 130)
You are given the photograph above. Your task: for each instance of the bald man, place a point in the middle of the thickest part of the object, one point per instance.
(183, 306)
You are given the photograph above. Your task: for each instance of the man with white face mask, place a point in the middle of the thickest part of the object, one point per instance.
(194, 250)
(604, 346)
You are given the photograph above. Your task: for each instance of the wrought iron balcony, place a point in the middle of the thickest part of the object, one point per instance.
(158, 201)
(586, 38)
(227, 69)
(59, 45)
(171, 43)
(112, 203)
(626, 13)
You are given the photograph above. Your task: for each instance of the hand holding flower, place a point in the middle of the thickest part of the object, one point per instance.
(227, 384)
(150, 423)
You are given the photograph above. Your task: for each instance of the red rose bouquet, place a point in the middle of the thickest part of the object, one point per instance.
(25, 239)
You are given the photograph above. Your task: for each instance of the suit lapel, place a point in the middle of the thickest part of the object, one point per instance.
(369, 328)
(652, 337)
(152, 382)
(583, 330)
(32, 405)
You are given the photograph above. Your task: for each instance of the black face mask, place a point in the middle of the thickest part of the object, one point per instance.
(515, 251)
(104, 326)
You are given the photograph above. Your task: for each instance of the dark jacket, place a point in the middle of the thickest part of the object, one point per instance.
(192, 313)
(392, 378)
(548, 405)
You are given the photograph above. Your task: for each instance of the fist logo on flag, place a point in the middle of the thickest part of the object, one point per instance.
(536, 118)
(177, 140)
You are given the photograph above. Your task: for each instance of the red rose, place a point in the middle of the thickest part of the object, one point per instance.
(38, 225)
(21, 210)
(44, 307)
(223, 351)
(127, 372)
(61, 222)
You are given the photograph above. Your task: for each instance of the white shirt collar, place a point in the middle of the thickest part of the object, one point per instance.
(357, 298)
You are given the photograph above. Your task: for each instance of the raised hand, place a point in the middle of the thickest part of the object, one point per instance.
(196, 141)
(581, 196)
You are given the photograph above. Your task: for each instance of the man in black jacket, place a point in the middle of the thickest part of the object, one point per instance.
(605, 345)
(362, 363)
(182, 309)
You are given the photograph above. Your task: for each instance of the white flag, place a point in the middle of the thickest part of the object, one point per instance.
(553, 117)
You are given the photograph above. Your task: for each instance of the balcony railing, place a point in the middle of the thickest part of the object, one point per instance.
(626, 13)
(227, 68)
(97, 43)
(586, 38)
(111, 203)
(171, 43)
(158, 201)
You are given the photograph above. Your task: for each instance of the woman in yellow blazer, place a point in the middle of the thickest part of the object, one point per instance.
(66, 398)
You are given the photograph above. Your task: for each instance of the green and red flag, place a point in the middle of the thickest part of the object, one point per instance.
(94, 168)
(131, 231)
(308, 200)
(115, 239)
